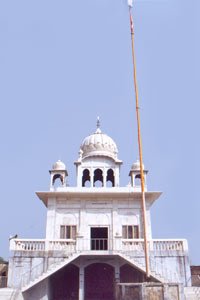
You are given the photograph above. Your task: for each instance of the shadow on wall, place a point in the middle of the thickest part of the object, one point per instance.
(195, 274)
(3, 274)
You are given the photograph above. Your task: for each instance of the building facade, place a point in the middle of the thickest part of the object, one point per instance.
(94, 234)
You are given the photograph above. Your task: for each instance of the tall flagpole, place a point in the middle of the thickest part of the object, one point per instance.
(146, 250)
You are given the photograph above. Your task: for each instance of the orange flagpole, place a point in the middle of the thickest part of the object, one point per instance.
(144, 217)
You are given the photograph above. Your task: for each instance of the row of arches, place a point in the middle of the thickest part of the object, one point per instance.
(99, 281)
(99, 179)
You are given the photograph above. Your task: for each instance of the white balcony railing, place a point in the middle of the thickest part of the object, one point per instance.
(42, 245)
(81, 245)
(154, 245)
(62, 245)
(27, 245)
(169, 245)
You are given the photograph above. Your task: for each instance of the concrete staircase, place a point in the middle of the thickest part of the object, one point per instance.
(155, 268)
(29, 281)
(192, 293)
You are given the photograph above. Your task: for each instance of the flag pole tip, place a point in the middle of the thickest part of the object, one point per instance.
(130, 3)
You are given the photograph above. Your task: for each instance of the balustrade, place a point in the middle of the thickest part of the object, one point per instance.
(168, 245)
(81, 244)
(99, 244)
(27, 245)
(154, 245)
(42, 245)
(62, 245)
(133, 245)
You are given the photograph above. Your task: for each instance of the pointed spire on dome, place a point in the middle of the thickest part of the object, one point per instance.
(98, 126)
(98, 122)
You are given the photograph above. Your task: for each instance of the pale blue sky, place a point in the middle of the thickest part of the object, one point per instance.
(62, 64)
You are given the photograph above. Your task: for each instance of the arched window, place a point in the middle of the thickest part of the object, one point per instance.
(137, 180)
(98, 178)
(110, 180)
(86, 178)
(58, 182)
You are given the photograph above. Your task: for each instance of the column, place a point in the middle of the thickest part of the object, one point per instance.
(117, 272)
(92, 177)
(79, 174)
(51, 219)
(117, 278)
(104, 177)
(116, 176)
(81, 283)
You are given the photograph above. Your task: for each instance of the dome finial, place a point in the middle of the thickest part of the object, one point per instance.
(98, 126)
(98, 122)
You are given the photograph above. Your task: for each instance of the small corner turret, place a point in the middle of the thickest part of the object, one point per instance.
(58, 172)
(136, 176)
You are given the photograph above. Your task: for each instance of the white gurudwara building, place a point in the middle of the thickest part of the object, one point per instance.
(94, 235)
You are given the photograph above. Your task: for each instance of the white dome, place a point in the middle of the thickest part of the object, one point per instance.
(98, 144)
(136, 166)
(59, 166)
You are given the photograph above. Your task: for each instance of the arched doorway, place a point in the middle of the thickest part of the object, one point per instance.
(99, 282)
(98, 178)
(64, 284)
(86, 178)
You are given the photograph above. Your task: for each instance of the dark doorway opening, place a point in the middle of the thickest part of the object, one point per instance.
(99, 238)
(129, 274)
(99, 282)
(64, 284)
